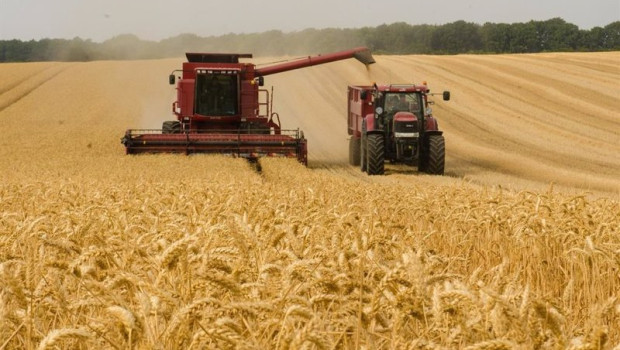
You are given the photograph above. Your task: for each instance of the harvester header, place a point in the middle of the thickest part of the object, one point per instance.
(221, 108)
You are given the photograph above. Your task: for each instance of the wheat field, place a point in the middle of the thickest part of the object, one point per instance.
(517, 247)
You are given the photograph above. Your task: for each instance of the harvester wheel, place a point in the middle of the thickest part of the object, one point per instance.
(433, 159)
(375, 154)
(354, 151)
(171, 127)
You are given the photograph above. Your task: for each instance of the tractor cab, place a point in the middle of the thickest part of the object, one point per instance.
(402, 102)
(400, 112)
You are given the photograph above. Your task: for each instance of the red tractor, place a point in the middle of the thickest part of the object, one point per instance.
(394, 123)
(220, 108)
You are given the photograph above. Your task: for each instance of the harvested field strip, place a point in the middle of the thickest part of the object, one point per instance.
(15, 73)
(533, 83)
(522, 88)
(527, 98)
(594, 91)
(599, 68)
(11, 93)
(477, 132)
(522, 166)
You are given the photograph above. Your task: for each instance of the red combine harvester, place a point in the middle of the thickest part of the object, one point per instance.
(220, 108)
(394, 123)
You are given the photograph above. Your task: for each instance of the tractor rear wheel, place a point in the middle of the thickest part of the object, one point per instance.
(171, 127)
(375, 150)
(433, 159)
(354, 151)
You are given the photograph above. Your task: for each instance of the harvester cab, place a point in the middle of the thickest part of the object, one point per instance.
(221, 107)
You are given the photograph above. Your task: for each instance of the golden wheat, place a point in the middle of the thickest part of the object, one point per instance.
(57, 335)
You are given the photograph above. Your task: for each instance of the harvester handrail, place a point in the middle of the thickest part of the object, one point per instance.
(284, 132)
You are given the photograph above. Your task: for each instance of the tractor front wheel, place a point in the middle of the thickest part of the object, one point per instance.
(433, 157)
(375, 151)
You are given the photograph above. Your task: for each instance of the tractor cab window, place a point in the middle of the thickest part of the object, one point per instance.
(402, 102)
(217, 93)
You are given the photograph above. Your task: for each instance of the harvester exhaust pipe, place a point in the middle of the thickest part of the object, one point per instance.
(362, 54)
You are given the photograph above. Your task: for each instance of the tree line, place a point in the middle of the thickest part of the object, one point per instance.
(553, 35)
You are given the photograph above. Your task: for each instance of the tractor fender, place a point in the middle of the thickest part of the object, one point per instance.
(431, 124)
(369, 125)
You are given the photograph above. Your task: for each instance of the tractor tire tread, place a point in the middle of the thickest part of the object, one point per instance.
(436, 155)
(376, 154)
(171, 127)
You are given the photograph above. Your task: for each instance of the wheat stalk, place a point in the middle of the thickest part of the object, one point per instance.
(57, 335)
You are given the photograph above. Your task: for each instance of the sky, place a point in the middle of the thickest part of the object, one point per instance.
(99, 20)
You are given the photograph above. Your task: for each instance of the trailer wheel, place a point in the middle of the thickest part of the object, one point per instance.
(433, 159)
(171, 127)
(354, 151)
(363, 153)
(375, 154)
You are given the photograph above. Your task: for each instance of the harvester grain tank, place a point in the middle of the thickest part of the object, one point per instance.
(394, 123)
(221, 108)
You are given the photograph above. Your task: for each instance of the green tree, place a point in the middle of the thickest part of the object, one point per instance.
(497, 38)
(611, 36)
(557, 35)
(524, 38)
(397, 38)
(457, 37)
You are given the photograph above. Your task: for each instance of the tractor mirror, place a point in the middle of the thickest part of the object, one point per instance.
(171, 79)
(260, 81)
(446, 95)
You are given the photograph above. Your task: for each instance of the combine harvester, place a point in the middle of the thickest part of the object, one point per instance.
(220, 108)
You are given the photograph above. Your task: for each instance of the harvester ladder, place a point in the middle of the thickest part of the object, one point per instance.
(265, 105)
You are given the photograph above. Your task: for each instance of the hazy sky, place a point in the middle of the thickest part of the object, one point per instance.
(100, 20)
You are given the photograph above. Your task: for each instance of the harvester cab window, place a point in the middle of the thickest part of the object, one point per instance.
(217, 93)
